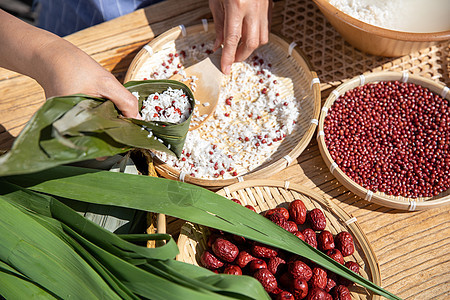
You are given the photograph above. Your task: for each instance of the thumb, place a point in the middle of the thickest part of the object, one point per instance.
(123, 99)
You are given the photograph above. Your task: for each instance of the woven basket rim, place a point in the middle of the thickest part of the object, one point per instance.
(270, 168)
(353, 227)
(397, 202)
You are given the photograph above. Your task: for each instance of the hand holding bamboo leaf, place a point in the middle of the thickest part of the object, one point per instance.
(76, 128)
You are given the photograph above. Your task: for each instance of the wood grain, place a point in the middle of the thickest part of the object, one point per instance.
(411, 247)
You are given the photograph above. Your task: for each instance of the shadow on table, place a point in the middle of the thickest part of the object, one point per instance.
(6, 139)
(120, 69)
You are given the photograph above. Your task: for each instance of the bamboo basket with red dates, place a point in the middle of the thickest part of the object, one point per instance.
(386, 137)
(267, 112)
(311, 217)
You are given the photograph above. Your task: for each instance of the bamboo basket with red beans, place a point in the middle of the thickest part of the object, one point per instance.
(386, 137)
(306, 214)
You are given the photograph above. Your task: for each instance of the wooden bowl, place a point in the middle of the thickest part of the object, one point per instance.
(377, 40)
(290, 64)
(378, 197)
(268, 194)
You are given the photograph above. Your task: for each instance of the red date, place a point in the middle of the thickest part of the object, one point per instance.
(225, 250)
(341, 292)
(210, 261)
(276, 265)
(244, 258)
(291, 227)
(300, 235)
(352, 266)
(318, 294)
(263, 251)
(257, 264)
(299, 287)
(310, 237)
(281, 210)
(232, 270)
(268, 281)
(336, 255)
(236, 201)
(297, 211)
(331, 283)
(278, 219)
(319, 278)
(251, 208)
(344, 242)
(285, 295)
(325, 241)
(316, 219)
(299, 269)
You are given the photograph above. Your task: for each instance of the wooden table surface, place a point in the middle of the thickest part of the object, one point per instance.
(412, 247)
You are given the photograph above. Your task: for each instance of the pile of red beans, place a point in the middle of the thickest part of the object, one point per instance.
(284, 275)
(392, 137)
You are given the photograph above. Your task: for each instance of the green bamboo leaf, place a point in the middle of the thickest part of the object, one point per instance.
(119, 272)
(113, 243)
(15, 287)
(175, 134)
(38, 207)
(44, 258)
(141, 282)
(180, 200)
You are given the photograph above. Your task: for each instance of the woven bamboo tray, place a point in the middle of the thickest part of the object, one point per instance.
(380, 198)
(268, 194)
(290, 63)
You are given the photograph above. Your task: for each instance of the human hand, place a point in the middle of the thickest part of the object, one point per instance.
(72, 71)
(241, 26)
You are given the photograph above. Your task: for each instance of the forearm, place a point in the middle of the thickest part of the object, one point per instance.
(21, 45)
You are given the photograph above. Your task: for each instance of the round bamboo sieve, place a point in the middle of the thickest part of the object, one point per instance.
(268, 194)
(288, 63)
(397, 202)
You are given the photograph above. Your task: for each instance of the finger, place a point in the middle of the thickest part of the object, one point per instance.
(232, 36)
(122, 98)
(250, 39)
(218, 16)
(266, 22)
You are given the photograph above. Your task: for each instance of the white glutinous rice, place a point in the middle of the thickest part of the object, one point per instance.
(256, 111)
(402, 15)
(172, 106)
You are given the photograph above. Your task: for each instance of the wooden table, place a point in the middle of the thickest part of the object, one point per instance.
(411, 247)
